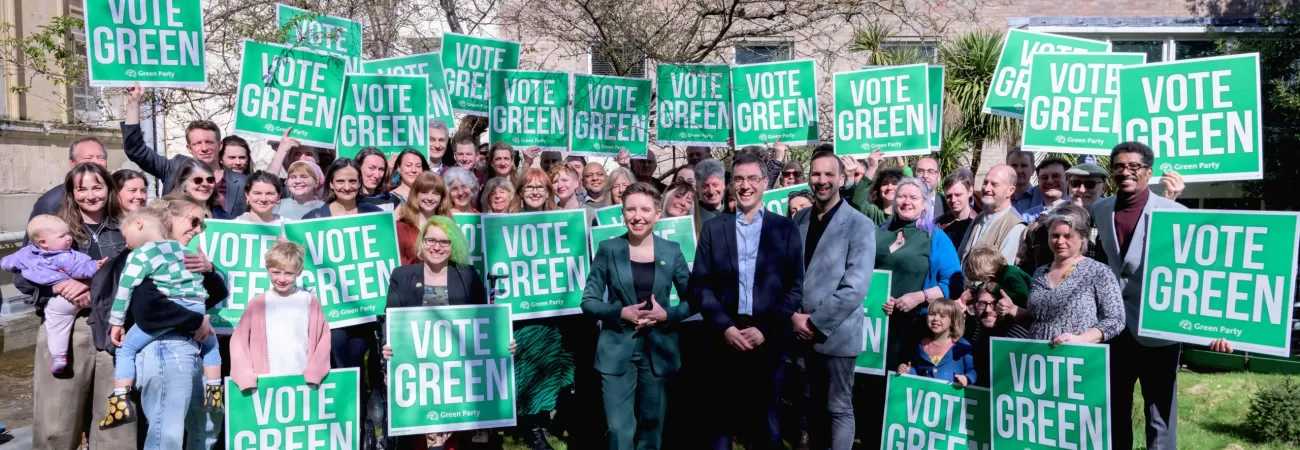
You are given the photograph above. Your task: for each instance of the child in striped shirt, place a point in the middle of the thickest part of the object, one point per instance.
(163, 261)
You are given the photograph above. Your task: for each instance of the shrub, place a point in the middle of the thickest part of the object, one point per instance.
(1275, 413)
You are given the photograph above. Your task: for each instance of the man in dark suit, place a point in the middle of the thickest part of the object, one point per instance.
(204, 141)
(748, 283)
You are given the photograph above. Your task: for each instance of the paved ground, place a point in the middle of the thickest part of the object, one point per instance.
(17, 350)
(20, 439)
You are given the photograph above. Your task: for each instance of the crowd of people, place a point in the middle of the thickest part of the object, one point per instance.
(125, 339)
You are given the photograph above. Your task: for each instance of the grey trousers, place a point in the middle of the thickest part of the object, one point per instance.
(65, 406)
(1157, 369)
(830, 407)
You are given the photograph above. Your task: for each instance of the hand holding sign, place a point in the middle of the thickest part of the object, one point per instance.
(198, 262)
(1173, 184)
(624, 158)
(134, 94)
(960, 380)
(904, 368)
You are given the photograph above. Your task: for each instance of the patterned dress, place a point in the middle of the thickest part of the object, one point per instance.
(543, 366)
(1088, 297)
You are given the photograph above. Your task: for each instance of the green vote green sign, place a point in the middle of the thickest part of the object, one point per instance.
(349, 262)
(154, 43)
(610, 115)
(303, 93)
(429, 64)
(886, 109)
(467, 62)
(286, 412)
(1050, 398)
(925, 413)
(778, 200)
(935, 79)
(238, 253)
(694, 105)
(544, 258)
(472, 226)
(321, 33)
(387, 112)
(1010, 90)
(1072, 102)
(1201, 117)
(1221, 275)
(609, 215)
(772, 101)
(529, 109)
(676, 229)
(875, 326)
(451, 369)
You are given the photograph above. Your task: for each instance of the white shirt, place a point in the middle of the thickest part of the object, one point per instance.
(286, 332)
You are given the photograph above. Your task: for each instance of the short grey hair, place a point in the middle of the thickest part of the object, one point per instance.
(463, 176)
(709, 168)
(72, 149)
(439, 125)
(1074, 216)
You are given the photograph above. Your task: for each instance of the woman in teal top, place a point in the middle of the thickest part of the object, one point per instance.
(628, 288)
(923, 261)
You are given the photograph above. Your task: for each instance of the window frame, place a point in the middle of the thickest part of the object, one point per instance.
(789, 46)
(591, 66)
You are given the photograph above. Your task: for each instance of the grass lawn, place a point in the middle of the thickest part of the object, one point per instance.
(1211, 410)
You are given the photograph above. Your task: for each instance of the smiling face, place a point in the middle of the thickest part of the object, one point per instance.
(503, 163)
(187, 225)
(91, 152)
(345, 184)
(466, 155)
(300, 183)
(938, 323)
(565, 185)
(437, 143)
(262, 198)
(534, 194)
(712, 191)
(826, 180)
(957, 197)
(436, 246)
(617, 187)
(997, 188)
(235, 158)
(428, 201)
(888, 189)
(133, 195)
(1130, 172)
(1086, 189)
(984, 306)
(461, 195)
(593, 177)
(1051, 182)
(282, 280)
(499, 200)
(680, 204)
(200, 184)
(910, 202)
(640, 212)
(203, 145)
(372, 172)
(749, 181)
(410, 166)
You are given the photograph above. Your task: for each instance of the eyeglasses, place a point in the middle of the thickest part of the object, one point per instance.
(982, 306)
(752, 180)
(202, 180)
(1087, 184)
(197, 222)
(534, 188)
(1130, 167)
(791, 174)
(437, 243)
(926, 171)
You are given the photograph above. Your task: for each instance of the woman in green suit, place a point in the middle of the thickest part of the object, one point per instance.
(637, 349)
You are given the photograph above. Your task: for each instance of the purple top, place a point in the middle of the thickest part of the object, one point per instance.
(46, 268)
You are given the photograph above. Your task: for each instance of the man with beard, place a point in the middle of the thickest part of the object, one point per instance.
(985, 320)
(710, 181)
(1026, 195)
(438, 134)
(839, 244)
(748, 283)
(1051, 186)
(999, 225)
(928, 169)
(1087, 182)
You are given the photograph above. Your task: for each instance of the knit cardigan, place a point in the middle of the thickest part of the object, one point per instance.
(248, 355)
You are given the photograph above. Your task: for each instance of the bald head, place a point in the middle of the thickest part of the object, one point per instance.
(999, 185)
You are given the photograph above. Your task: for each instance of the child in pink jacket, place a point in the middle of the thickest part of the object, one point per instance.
(299, 340)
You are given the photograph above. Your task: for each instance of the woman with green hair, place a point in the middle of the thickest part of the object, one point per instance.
(443, 277)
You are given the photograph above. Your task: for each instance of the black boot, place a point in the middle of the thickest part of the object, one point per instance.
(535, 433)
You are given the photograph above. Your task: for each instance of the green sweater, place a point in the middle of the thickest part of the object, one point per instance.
(1015, 283)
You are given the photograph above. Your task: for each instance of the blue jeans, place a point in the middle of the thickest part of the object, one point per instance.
(171, 395)
(136, 339)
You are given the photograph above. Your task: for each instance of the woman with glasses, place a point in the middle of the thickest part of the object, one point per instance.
(792, 174)
(197, 181)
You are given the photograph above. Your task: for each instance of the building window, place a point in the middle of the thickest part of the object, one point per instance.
(928, 52)
(756, 53)
(1155, 50)
(1195, 49)
(602, 62)
(424, 45)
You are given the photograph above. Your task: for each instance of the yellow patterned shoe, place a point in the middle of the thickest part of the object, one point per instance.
(120, 411)
(214, 399)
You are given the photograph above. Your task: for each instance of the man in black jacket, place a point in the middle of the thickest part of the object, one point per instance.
(82, 150)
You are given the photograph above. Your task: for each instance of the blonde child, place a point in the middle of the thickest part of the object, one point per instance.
(163, 261)
(943, 354)
(282, 331)
(50, 259)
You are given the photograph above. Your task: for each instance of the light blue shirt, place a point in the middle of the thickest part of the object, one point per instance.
(1024, 201)
(1031, 214)
(747, 236)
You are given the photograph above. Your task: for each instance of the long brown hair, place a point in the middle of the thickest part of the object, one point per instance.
(533, 175)
(71, 213)
(409, 212)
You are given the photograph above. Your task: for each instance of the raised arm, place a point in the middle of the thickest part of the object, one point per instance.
(133, 138)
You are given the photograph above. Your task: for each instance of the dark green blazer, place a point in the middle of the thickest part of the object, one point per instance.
(611, 273)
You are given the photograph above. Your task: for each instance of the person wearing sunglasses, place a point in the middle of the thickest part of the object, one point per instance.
(1087, 183)
(196, 181)
(792, 174)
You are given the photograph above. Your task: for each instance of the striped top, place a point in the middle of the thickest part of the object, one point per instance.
(164, 263)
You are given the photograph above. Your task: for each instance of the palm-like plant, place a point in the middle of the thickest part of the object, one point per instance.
(969, 63)
(871, 39)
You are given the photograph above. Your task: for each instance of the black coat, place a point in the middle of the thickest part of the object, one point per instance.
(464, 286)
(150, 309)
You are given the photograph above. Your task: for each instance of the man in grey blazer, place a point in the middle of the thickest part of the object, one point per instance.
(840, 249)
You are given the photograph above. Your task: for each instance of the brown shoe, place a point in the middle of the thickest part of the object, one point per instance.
(120, 411)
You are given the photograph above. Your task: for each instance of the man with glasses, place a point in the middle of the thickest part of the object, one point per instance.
(927, 168)
(748, 284)
(203, 139)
